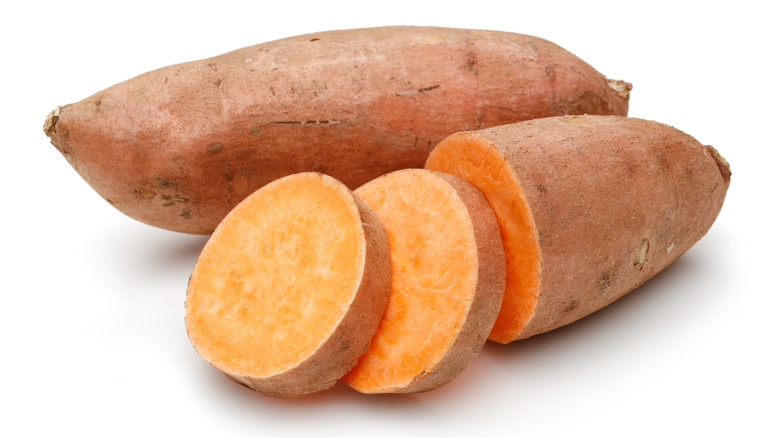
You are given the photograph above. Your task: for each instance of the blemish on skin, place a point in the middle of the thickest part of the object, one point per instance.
(167, 183)
(298, 89)
(670, 248)
(604, 282)
(186, 213)
(314, 39)
(146, 191)
(215, 148)
(171, 198)
(641, 254)
(306, 122)
(571, 305)
(471, 64)
(248, 60)
(549, 72)
(417, 91)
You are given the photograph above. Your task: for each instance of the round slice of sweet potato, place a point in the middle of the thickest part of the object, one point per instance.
(291, 287)
(447, 281)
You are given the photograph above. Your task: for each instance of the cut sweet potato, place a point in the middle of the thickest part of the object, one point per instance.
(290, 288)
(590, 207)
(447, 281)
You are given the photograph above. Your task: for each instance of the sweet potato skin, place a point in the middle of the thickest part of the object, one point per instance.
(615, 200)
(180, 146)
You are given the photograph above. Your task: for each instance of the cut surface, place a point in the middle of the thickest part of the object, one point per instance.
(278, 277)
(441, 304)
(483, 165)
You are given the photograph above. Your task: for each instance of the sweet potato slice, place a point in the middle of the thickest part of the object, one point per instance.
(447, 281)
(290, 288)
(590, 207)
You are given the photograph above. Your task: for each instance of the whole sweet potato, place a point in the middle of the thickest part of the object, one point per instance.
(589, 207)
(180, 146)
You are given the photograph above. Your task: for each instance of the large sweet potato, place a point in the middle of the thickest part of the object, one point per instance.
(180, 146)
(589, 208)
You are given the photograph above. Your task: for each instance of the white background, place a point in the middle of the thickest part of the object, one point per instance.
(91, 316)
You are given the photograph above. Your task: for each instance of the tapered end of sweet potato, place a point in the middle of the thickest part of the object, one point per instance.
(621, 88)
(50, 129)
(51, 122)
(723, 165)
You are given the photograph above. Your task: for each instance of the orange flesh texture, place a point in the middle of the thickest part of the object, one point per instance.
(276, 277)
(434, 269)
(485, 166)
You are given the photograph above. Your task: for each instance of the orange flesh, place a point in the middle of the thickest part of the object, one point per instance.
(276, 277)
(434, 269)
(483, 165)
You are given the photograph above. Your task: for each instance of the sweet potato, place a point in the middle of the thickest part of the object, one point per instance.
(291, 287)
(447, 281)
(589, 207)
(180, 146)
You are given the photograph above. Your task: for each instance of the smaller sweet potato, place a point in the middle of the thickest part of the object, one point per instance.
(590, 207)
(291, 287)
(447, 281)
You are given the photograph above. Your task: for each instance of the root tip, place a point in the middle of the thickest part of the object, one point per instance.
(621, 88)
(50, 124)
(723, 165)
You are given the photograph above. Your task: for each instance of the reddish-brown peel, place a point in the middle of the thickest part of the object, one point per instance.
(178, 147)
(590, 207)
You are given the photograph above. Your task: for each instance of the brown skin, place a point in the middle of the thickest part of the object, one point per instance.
(285, 306)
(612, 202)
(180, 146)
